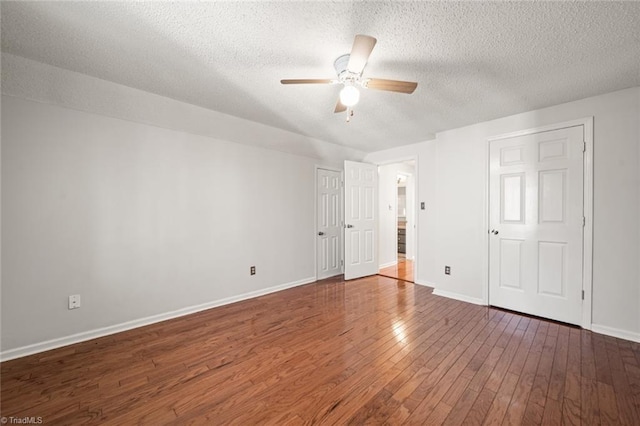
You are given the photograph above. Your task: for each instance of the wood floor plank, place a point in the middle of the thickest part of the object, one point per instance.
(421, 390)
(607, 404)
(570, 412)
(538, 396)
(518, 402)
(590, 406)
(435, 386)
(461, 409)
(603, 369)
(324, 398)
(558, 375)
(501, 367)
(525, 346)
(413, 392)
(573, 376)
(376, 350)
(627, 413)
(437, 417)
(501, 402)
(480, 408)
(552, 413)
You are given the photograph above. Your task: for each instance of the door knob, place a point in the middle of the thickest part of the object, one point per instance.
(349, 226)
(494, 232)
(320, 233)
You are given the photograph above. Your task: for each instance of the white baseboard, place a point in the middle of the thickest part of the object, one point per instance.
(423, 283)
(460, 297)
(386, 265)
(616, 332)
(117, 328)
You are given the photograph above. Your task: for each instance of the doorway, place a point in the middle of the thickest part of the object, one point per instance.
(397, 220)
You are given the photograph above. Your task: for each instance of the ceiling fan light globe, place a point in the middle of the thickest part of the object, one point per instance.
(349, 96)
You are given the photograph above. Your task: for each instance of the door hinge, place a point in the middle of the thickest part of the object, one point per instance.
(582, 294)
(342, 264)
(584, 221)
(584, 147)
(342, 183)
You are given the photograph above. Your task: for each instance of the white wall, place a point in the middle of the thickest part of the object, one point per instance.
(29, 79)
(144, 220)
(456, 192)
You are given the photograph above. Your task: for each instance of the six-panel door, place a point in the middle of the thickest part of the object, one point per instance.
(329, 229)
(361, 221)
(536, 224)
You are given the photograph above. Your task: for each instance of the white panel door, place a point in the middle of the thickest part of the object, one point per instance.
(329, 232)
(361, 219)
(536, 224)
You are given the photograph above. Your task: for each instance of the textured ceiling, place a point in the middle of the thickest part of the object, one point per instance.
(474, 61)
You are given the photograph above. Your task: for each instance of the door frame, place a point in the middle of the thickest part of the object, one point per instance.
(416, 208)
(315, 217)
(407, 175)
(587, 242)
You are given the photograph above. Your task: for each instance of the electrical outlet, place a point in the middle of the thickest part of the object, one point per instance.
(74, 301)
(252, 270)
(447, 270)
(422, 205)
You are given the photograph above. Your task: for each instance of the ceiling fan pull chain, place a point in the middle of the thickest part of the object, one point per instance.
(349, 115)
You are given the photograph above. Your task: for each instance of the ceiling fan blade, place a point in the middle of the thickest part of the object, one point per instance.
(340, 107)
(390, 85)
(308, 81)
(362, 47)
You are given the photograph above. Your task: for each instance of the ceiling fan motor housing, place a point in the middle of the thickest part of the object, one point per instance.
(344, 75)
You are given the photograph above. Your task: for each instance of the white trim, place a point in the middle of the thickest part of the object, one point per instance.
(549, 128)
(395, 160)
(388, 264)
(424, 283)
(486, 225)
(117, 328)
(460, 297)
(395, 219)
(587, 244)
(615, 332)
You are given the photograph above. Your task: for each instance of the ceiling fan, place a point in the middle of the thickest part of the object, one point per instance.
(349, 68)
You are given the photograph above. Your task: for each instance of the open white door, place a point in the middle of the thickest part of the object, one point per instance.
(360, 219)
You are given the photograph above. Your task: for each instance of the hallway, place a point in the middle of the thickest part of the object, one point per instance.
(403, 270)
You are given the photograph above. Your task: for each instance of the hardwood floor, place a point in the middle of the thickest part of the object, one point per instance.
(403, 270)
(375, 350)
